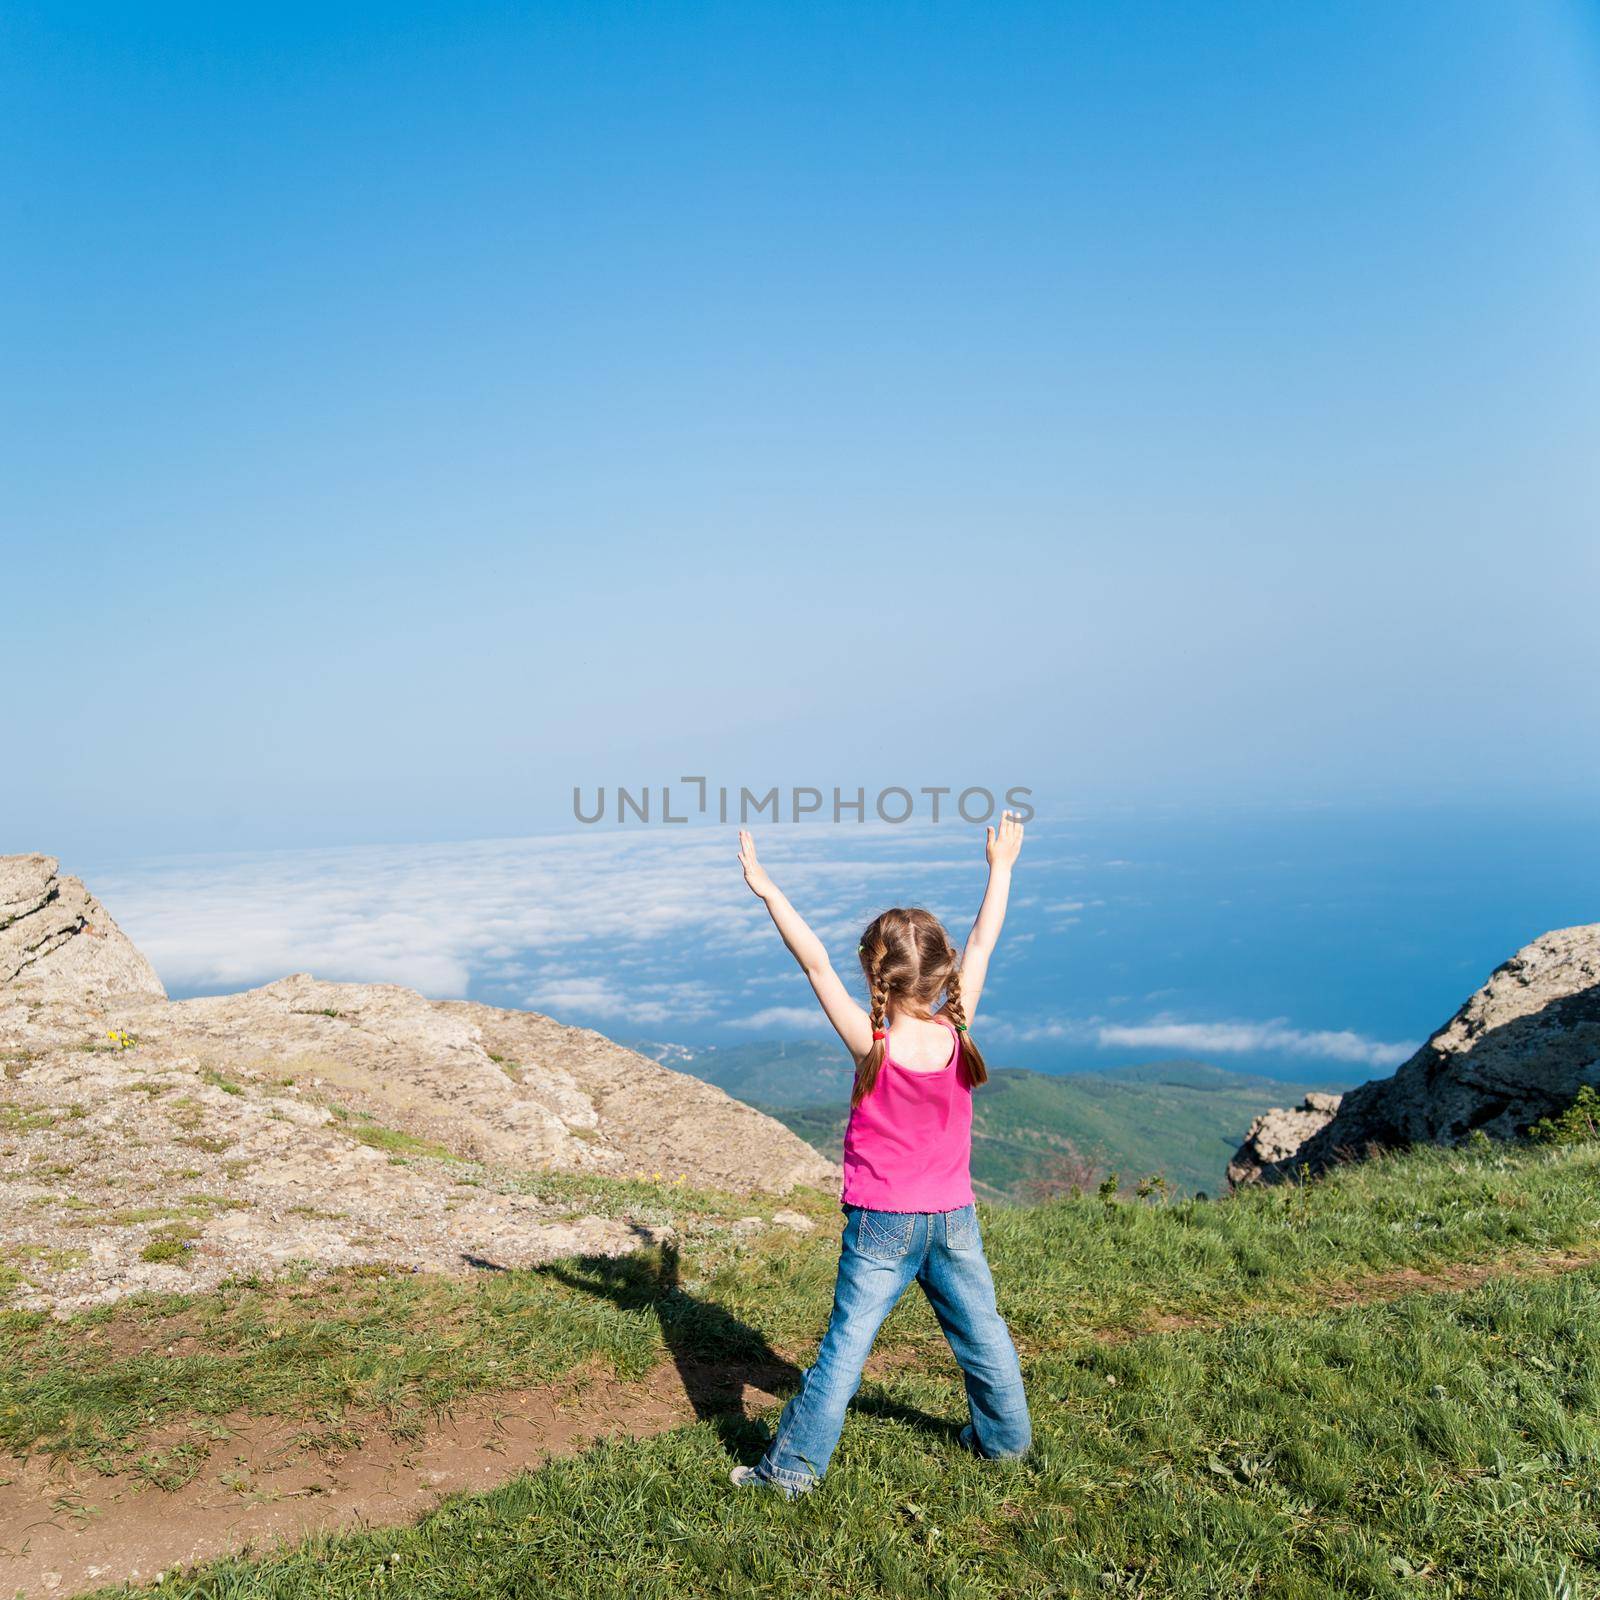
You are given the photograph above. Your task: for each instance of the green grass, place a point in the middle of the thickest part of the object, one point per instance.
(171, 1244)
(1578, 1124)
(1439, 1445)
(582, 1194)
(368, 1343)
(1076, 1267)
(364, 1344)
(25, 1119)
(397, 1142)
(92, 1215)
(396, 1346)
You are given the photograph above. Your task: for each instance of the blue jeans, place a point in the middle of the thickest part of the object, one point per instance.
(882, 1251)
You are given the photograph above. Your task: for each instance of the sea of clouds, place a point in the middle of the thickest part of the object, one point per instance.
(652, 932)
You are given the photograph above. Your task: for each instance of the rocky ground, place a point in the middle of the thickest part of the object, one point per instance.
(151, 1144)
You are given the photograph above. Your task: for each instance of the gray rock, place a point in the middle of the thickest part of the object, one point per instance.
(498, 1086)
(321, 1124)
(57, 939)
(1276, 1135)
(1518, 1050)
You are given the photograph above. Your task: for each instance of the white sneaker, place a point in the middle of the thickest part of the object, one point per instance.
(749, 1478)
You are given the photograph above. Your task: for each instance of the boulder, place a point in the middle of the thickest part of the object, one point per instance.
(1276, 1135)
(56, 939)
(506, 1087)
(1518, 1050)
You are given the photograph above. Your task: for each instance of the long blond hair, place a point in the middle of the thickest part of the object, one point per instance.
(909, 961)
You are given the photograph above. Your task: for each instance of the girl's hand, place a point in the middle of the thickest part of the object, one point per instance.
(754, 873)
(1002, 848)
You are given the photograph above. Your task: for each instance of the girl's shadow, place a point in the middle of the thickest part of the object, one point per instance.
(717, 1355)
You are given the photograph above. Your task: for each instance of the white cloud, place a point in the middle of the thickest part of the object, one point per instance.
(603, 926)
(1169, 1034)
(649, 1004)
(1255, 1038)
(1056, 1030)
(784, 1019)
(431, 916)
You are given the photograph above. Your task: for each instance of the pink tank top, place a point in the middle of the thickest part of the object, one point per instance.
(908, 1145)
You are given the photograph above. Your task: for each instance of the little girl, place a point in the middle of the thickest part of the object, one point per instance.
(907, 1154)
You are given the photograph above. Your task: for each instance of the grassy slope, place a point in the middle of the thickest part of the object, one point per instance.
(1442, 1444)
(358, 1344)
(1183, 1119)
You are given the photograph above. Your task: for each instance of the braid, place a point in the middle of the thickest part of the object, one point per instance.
(878, 991)
(971, 1056)
(878, 996)
(952, 1000)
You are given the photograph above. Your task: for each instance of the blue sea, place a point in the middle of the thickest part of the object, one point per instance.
(1317, 945)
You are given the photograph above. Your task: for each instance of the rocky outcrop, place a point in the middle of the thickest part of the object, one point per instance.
(57, 939)
(153, 1144)
(1276, 1135)
(1518, 1050)
(497, 1086)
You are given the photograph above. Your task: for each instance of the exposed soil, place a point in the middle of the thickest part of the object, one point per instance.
(64, 1530)
(67, 1529)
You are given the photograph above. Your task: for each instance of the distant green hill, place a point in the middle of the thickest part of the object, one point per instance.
(1179, 1119)
(794, 1072)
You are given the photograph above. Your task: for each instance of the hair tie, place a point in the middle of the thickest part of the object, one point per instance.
(961, 1027)
(878, 1033)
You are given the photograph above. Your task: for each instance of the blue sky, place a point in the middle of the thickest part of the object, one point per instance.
(412, 412)
(1187, 411)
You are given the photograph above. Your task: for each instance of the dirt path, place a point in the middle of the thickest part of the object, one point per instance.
(64, 1530)
(1377, 1287)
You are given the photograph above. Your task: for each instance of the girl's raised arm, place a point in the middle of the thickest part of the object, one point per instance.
(1001, 848)
(850, 1021)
